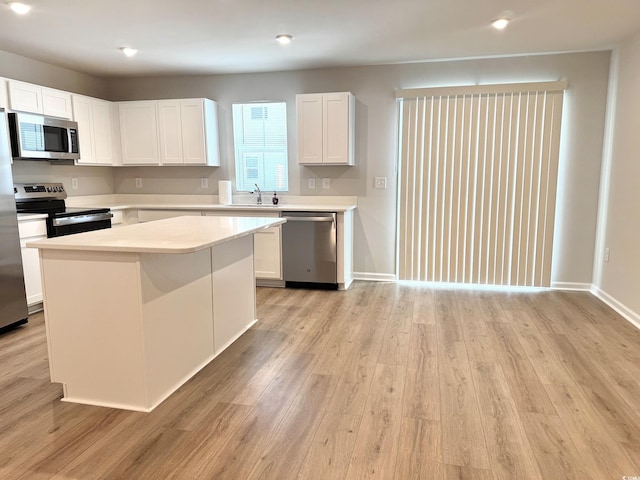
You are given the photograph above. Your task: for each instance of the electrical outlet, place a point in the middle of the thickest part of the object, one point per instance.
(326, 183)
(74, 183)
(138, 182)
(312, 183)
(380, 182)
(204, 182)
(606, 254)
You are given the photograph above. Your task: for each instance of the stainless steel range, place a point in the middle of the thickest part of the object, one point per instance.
(49, 198)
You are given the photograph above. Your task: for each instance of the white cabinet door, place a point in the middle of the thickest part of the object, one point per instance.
(266, 252)
(95, 130)
(139, 133)
(25, 97)
(309, 119)
(188, 132)
(200, 132)
(82, 115)
(326, 128)
(103, 132)
(56, 103)
(4, 93)
(170, 132)
(32, 230)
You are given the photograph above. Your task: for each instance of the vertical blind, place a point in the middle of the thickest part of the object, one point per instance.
(477, 183)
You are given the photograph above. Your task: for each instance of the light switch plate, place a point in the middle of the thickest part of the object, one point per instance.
(204, 182)
(312, 183)
(74, 183)
(326, 183)
(138, 182)
(380, 182)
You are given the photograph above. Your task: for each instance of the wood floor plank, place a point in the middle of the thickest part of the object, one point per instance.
(376, 449)
(243, 448)
(330, 451)
(419, 450)
(524, 384)
(421, 392)
(508, 446)
(618, 415)
(424, 308)
(600, 452)
(456, 472)
(284, 455)
(397, 335)
(463, 440)
(553, 448)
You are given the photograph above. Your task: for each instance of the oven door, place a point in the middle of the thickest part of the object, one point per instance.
(41, 137)
(58, 226)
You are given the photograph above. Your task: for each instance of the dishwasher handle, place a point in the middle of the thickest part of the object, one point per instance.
(309, 219)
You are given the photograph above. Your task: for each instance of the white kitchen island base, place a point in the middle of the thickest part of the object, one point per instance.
(127, 329)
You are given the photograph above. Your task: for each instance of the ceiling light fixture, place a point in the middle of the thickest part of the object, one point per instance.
(284, 39)
(500, 23)
(20, 8)
(128, 51)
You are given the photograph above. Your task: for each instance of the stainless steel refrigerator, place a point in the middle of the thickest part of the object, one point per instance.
(13, 299)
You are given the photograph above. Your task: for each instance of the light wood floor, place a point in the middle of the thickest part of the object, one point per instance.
(381, 382)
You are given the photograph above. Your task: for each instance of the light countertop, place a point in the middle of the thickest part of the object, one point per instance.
(210, 203)
(23, 217)
(177, 235)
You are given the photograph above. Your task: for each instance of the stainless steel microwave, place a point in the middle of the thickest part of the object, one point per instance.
(38, 137)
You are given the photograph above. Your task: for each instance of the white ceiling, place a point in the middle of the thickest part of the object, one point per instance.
(232, 36)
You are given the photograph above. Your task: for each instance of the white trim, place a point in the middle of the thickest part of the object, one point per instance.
(605, 171)
(581, 287)
(482, 89)
(374, 277)
(631, 316)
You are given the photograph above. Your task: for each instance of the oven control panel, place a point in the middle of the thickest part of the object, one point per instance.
(28, 191)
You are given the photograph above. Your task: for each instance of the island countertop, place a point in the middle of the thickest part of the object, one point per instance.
(177, 235)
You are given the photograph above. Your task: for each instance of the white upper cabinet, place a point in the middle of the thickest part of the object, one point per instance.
(326, 126)
(26, 97)
(97, 130)
(188, 132)
(170, 132)
(4, 97)
(139, 133)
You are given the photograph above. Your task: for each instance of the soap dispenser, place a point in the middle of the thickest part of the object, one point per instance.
(274, 200)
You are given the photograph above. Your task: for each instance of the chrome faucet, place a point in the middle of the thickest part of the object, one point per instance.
(259, 194)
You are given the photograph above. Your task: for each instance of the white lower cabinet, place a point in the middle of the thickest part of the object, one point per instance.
(30, 231)
(267, 245)
(266, 253)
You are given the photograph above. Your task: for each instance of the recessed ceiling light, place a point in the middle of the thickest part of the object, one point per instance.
(20, 8)
(284, 39)
(500, 23)
(128, 51)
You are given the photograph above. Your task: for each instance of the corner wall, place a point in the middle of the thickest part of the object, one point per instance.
(619, 282)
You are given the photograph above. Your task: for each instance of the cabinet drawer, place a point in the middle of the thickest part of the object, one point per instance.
(32, 228)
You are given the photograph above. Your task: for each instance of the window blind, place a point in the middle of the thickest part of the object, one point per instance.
(260, 143)
(477, 183)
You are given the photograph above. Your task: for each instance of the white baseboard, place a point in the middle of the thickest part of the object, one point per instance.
(622, 309)
(374, 277)
(582, 287)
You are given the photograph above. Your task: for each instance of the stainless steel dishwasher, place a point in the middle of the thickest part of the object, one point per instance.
(309, 250)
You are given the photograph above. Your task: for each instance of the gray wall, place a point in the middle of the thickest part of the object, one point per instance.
(376, 132)
(620, 278)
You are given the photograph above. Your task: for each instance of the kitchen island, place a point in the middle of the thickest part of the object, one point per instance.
(134, 312)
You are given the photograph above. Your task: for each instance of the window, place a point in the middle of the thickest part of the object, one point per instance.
(260, 143)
